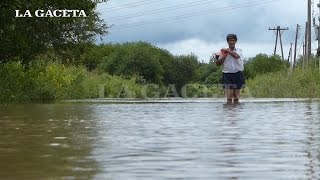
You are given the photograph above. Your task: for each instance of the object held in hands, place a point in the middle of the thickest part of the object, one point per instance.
(216, 56)
(224, 52)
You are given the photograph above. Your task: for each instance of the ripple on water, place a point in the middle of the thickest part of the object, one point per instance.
(195, 139)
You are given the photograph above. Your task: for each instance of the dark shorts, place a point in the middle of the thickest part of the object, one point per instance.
(233, 80)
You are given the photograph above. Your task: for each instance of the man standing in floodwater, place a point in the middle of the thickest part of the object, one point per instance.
(232, 61)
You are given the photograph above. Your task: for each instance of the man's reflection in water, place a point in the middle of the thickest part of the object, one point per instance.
(231, 135)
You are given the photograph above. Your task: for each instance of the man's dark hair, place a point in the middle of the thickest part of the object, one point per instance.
(231, 36)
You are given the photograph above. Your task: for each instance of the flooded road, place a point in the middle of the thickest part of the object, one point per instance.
(200, 139)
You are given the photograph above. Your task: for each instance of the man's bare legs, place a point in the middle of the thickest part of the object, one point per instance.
(232, 95)
(229, 94)
(236, 96)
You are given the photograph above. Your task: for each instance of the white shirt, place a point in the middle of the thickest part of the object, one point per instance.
(233, 65)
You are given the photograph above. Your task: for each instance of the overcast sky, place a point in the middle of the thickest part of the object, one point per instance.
(201, 26)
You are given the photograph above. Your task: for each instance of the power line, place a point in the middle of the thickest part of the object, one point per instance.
(171, 8)
(129, 5)
(194, 14)
(290, 35)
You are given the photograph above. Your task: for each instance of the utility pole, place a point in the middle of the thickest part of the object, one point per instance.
(309, 32)
(278, 32)
(318, 37)
(318, 27)
(306, 47)
(303, 55)
(295, 45)
(290, 53)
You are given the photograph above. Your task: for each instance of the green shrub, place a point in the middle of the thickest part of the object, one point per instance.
(55, 82)
(12, 82)
(297, 83)
(262, 64)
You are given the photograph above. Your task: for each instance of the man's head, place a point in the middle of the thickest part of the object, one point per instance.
(232, 40)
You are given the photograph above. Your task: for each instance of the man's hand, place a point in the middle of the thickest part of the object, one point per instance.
(232, 53)
(224, 52)
(221, 57)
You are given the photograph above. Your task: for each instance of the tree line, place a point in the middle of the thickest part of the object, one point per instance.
(45, 46)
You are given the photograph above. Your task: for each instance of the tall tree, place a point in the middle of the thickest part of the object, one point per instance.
(26, 37)
(262, 64)
(136, 58)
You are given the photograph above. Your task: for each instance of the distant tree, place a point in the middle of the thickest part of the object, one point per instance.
(204, 70)
(155, 65)
(185, 69)
(25, 38)
(167, 65)
(137, 58)
(215, 75)
(93, 57)
(262, 64)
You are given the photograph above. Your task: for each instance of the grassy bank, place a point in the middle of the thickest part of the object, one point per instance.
(297, 83)
(55, 82)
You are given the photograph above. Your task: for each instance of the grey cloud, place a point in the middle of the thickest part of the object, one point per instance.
(250, 23)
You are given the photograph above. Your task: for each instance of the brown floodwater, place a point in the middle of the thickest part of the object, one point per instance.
(198, 139)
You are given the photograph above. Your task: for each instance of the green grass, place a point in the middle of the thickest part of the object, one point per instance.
(297, 83)
(55, 82)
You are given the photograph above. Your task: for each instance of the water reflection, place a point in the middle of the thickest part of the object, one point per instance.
(202, 140)
(47, 142)
(312, 140)
(206, 141)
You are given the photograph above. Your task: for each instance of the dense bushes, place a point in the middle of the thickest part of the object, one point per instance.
(152, 64)
(57, 82)
(134, 70)
(54, 82)
(140, 70)
(262, 64)
(134, 59)
(13, 82)
(269, 76)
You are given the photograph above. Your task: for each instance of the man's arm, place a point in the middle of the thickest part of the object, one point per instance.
(221, 59)
(233, 54)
